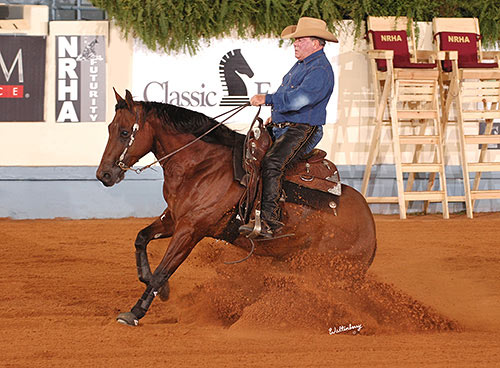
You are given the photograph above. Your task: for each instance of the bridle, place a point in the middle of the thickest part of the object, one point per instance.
(135, 129)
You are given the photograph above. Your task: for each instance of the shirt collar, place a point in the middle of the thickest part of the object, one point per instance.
(312, 57)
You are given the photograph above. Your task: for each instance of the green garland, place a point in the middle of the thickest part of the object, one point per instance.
(175, 25)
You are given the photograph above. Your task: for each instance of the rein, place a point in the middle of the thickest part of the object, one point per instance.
(135, 128)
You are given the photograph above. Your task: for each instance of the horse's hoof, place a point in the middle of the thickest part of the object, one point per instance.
(164, 292)
(128, 319)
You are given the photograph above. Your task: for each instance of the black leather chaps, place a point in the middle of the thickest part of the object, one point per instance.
(287, 148)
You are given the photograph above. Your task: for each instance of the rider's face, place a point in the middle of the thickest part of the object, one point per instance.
(304, 46)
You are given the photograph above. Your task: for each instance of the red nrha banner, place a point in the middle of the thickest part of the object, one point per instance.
(11, 91)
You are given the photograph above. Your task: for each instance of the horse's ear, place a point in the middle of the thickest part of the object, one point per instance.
(129, 99)
(117, 96)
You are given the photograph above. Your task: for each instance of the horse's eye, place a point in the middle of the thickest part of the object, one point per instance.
(124, 133)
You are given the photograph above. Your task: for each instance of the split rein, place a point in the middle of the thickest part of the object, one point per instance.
(135, 128)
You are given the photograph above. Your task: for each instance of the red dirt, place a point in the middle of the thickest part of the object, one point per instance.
(431, 298)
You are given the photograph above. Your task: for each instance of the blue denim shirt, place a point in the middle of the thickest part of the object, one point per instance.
(304, 92)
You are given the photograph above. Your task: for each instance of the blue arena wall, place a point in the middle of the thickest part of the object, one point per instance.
(74, 192)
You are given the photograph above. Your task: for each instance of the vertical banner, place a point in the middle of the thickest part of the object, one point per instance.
(22, 78)
(80, 79)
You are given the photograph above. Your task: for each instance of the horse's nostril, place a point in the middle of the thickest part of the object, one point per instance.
(106, 176)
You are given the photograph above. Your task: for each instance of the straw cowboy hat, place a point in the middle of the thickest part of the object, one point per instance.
(309, 27)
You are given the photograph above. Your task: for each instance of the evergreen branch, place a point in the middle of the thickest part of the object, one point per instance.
(182, 25)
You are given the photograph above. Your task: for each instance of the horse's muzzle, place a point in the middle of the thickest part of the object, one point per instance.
(111, 176)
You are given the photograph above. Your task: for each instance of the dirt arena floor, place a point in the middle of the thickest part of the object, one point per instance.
(431, 299)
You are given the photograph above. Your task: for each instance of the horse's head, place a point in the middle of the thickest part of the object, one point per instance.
(130, 138)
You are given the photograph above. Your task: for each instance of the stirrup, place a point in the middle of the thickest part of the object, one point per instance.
(253, 228)
(248, 229)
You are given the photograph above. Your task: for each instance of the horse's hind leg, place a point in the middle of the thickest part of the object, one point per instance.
(162, 227)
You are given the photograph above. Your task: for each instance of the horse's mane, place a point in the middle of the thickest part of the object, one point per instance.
(189, 121)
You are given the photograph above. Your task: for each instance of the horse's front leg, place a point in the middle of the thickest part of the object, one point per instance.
(183, 241)
(162, 227)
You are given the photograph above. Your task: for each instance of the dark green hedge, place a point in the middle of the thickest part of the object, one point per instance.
(181, 24)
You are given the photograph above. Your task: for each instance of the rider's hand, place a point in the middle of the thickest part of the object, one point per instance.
(269, 120)
(258, 100)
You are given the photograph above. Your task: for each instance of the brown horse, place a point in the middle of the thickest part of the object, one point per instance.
(203, 197)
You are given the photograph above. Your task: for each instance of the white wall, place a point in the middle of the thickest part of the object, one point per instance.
(81, 144)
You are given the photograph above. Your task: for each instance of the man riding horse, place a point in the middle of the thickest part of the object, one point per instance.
(203, 197)
(297, 116)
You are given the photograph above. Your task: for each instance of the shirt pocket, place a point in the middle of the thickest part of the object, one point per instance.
(296, 79)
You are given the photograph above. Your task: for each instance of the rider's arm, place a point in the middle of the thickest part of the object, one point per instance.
(314, 88)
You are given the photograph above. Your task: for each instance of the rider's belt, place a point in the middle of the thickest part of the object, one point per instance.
(282, 125)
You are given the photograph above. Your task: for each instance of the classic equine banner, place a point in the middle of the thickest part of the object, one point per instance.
(22, 78)
(225, 73)
(80, 79)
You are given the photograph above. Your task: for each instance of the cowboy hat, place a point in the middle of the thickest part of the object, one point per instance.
(309, 27)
